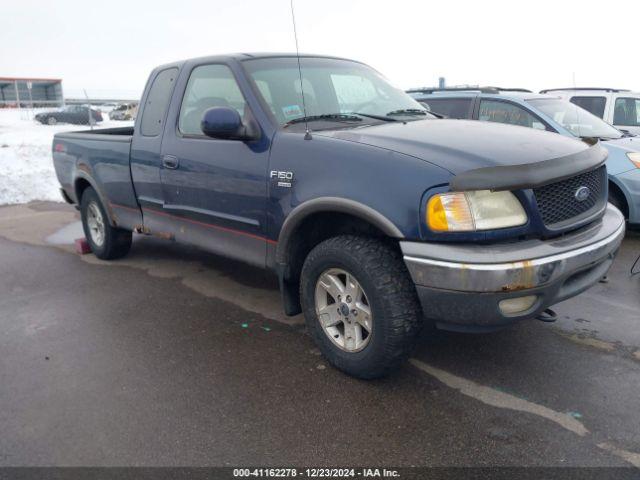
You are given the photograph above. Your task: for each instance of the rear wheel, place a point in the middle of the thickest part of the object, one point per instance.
(106, 242)
(51, 121)
(360, 305)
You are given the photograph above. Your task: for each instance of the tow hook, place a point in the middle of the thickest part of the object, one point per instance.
(548, 316)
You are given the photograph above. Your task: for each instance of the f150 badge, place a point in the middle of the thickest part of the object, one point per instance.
(284, 178)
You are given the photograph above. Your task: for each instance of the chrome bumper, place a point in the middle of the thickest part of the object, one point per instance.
(463, 285)
(515, 266)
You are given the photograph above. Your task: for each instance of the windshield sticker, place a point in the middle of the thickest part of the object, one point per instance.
(292, 111)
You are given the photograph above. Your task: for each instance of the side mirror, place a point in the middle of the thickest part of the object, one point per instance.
(224, 123)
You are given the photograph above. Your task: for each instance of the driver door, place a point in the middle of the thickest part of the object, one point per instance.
(214, 190)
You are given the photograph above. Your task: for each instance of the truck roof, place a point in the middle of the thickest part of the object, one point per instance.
(248, 56)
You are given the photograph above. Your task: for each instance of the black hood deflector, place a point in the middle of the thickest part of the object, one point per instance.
(530, 175)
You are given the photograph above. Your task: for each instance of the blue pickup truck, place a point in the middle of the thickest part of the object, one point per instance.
(378, 218)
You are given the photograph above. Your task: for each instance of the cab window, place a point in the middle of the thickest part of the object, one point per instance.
(505, 112)
(209, 86)
(155, 108)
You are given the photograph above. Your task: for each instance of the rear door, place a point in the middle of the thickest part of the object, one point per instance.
(147, 140)
(69, 114)
(214, 190)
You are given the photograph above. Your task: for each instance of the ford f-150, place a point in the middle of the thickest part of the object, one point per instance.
(377, 217)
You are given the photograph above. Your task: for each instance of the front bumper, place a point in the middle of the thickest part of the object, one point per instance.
(461, 286)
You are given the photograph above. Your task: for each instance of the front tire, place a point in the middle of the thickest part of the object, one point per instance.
(360, 305)
(106, 242)
(51, 121)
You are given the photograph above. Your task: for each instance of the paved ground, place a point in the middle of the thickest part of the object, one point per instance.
(175, 357)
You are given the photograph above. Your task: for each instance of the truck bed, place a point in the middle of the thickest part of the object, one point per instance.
(99, 158)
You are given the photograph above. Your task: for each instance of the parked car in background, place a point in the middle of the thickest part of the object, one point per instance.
(620, 108)
(124, 111)
(77, 114)
(550, 113)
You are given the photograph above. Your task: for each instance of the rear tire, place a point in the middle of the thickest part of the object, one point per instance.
(385, 338)
(51, 121)
(106, 242)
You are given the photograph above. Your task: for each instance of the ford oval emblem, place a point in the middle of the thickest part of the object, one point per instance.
(582, 194)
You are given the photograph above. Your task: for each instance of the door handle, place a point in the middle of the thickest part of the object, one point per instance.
(171, 162)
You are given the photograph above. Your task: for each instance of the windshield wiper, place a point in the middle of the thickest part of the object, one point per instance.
(437, 115)
(336, 117)
(602, 139)
(376, 117)
(408, 111)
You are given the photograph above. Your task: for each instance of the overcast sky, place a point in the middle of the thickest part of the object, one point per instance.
(111, 46)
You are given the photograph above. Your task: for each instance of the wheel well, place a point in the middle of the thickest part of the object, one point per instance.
(617, 193)
(311, 231)
(80, 187)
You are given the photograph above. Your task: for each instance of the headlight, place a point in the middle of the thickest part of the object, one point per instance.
(476, 210)
(635, 158)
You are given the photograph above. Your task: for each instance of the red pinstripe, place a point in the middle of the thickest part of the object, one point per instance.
(203, 224)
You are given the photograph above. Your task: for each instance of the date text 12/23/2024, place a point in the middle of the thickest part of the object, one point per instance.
(315, 473)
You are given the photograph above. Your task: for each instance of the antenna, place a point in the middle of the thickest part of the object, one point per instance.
(89, 109)
(577, 108)
(307, 133)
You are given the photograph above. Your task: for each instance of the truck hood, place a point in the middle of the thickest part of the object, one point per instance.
(463, 145)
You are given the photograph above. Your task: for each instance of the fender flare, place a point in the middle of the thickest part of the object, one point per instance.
(330, 204)
(83, 175)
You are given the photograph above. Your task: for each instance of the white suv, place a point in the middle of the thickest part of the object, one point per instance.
(620, 108)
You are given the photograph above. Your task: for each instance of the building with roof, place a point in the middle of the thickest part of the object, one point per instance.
(30, 92)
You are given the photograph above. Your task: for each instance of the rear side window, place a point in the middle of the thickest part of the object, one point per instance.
(627, 112)
(505, 112)
(155, 108)
(209, 86)
(595, 105)
(449, 107)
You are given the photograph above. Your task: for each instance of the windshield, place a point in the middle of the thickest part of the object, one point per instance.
(575, 119)
(331, 88)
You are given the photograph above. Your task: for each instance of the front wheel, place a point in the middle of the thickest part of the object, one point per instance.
(106, 242)
(51, 121)
(360, 305)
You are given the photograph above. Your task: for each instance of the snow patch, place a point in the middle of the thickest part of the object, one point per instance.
(26, 165)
